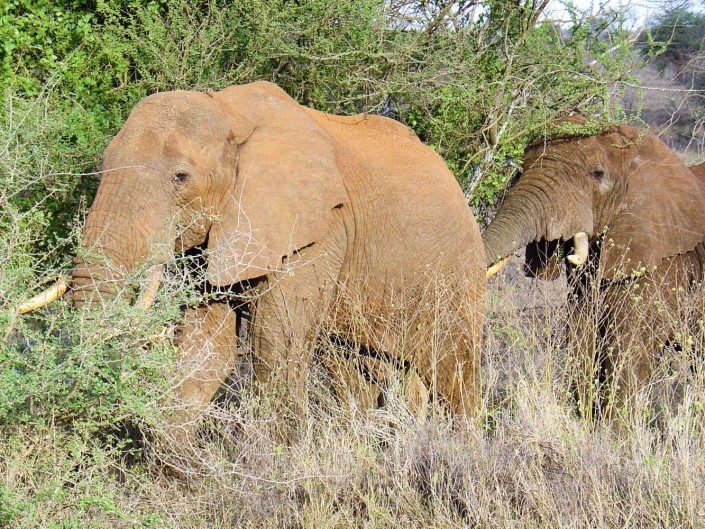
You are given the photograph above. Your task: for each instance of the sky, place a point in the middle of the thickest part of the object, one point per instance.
(638, 10)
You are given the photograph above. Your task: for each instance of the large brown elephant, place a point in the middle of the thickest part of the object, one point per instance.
(319, 212)
(627, 218)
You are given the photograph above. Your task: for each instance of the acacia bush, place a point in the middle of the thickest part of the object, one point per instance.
(470, 78)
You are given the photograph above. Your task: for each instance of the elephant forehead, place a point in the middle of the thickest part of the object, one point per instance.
(189, 113)
(573, 153)
(192, 148)
(553, 158)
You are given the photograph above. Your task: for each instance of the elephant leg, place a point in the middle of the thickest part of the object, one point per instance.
(359, 382)
(414, 392)
(287, 318)
(207, 344)
(455, 377)
(583, 329)
(352, 387)
(448, 358)
(637, 329)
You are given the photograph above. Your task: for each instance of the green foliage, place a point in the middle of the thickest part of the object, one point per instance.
(681, 33)
(64, 481)
(83, 372)
(470, 86)
(57, 45)
(10, 507)
(569, 128)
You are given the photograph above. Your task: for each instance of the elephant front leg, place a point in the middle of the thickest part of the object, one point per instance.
(286, 320)
(584, 365)
(207, 344)
(638, 328)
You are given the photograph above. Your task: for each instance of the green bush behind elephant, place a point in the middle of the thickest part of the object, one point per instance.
(322, 217)
(627, 217)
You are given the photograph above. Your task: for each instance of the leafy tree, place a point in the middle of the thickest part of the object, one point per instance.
(470, 77)
(681, 32)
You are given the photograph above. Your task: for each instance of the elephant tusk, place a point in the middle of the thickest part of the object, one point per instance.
(150, 288)
(580, 249)
(492, 270)
(44, 298)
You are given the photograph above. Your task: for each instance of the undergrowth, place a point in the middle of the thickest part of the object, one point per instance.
(528, 459)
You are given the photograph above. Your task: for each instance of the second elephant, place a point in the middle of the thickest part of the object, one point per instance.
(627, 217)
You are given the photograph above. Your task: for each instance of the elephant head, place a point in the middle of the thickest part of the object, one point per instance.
(620, 183)
(243, 172)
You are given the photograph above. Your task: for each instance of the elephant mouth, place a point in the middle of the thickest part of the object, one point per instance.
(148, 292)
(577, 256)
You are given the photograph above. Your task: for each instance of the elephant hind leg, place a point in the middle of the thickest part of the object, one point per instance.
(455, 347)
(362, 378)
(355, 385)
(449, 362)
(438, 333)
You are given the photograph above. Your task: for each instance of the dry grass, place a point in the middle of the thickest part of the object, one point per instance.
(527, 459)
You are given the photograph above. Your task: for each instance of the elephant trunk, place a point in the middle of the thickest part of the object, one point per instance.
(117, 239)
(98, 278)
(514, 226)
(95, 280)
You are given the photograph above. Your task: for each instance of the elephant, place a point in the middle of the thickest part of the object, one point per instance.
(698, 170)
(312, 212)
(624, 216)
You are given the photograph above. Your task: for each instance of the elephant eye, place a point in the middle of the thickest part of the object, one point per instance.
(180, 177)
(598, 171)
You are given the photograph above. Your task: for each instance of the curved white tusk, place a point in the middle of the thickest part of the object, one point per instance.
(580, 249)
(150, 287)
(44, 298)
(492, 270)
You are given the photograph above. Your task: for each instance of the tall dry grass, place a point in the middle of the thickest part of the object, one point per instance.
(527, 460)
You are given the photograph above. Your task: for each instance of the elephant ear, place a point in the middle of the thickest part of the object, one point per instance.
(542, 260)
(285, 187)
(662, 213)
